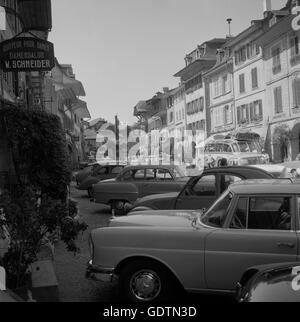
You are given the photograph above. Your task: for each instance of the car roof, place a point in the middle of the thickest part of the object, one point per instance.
(142, 167)
(266, 186)
(242, 170)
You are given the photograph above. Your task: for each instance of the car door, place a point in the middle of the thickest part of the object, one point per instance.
(200, 194)
(254, 236)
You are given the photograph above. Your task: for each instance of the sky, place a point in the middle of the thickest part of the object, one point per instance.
(124, 51)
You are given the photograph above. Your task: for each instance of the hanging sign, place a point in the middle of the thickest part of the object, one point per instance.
(27, 55)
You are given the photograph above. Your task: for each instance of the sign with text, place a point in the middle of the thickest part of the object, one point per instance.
(27, 55)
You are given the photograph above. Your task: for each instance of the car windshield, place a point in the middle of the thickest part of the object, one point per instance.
(247, 146)
(179, 172)
(216, 215)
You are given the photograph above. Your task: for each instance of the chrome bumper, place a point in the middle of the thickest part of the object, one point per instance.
(99, 273)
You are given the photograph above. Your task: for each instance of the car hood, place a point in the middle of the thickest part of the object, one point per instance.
(108, 180)
(168, 195)
(166, 218)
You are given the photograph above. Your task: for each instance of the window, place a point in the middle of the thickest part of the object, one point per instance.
(224, 84)
(139, 175)
(243, 114)
(228, 114)
(254, 78)
(206, 186)
(296, 92)
(278, 100)
(116, 170)
(239, 220)
(102, 171)
(163, 174)
(201, 102)
(276, 60)
(263, 213)
(242, 83)
(216, 215)
(294, 46)
(270, 213)
(227, 180)
(150, 174)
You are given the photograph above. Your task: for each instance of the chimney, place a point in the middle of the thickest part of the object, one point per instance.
(267, 7)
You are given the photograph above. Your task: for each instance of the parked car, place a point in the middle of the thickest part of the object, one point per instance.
(200, 191)
(278, 171)
(99, 174)
(83, 174)
(270, 283)
(253, 223)
(136, 182)
(236, 152)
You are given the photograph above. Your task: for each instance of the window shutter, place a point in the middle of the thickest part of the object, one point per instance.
(260, 108)
(276, 100)
(247, 113)
(239, 115)
(252, 111)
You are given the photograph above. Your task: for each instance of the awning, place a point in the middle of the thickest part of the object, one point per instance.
(81, 109)
(66, 93)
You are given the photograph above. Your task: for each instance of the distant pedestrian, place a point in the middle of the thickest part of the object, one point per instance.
(294, 173)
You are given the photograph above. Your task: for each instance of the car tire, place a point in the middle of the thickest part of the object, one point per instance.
(145, 282)
(118, 208)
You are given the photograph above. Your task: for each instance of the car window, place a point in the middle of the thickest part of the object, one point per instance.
(264, 213)
(128, 176)
(216, 215)
(239, 220)
(139, 175)
(227, 148)
(206, 186)
(163, 174)
(103, 170)
(150, 174)
(116, 170)
(226, 180)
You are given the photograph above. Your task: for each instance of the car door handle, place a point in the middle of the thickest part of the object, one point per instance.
(289, 245)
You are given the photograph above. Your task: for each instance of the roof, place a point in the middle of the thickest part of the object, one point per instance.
(142, 167)
(272, 186)
(195, 68)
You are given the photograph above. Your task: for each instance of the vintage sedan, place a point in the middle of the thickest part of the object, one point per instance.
(253, 223)
(200, 191)
(270, 283)
(84, 173)
(138, 181)
(101, 173)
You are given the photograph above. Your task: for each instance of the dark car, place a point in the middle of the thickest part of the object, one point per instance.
(270, 283)
(84, 173)
(138, 181)
(200, 191)
(100, 173)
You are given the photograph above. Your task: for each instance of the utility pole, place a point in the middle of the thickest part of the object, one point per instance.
(117, 131)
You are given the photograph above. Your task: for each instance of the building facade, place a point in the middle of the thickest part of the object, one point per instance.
(281, 53)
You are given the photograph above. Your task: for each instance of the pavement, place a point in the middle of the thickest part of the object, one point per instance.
(70, 268)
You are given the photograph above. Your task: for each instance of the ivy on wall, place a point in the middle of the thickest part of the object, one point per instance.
(38, 147)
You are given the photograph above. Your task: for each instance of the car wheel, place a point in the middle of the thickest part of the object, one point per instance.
(118, 208)
(144, 282)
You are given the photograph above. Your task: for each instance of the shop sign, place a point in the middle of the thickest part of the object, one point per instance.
(26, 55)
